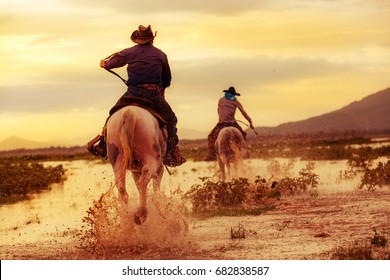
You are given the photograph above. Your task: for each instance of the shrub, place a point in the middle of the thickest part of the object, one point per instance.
(216, 198)
(306, 181)
(261, 190)
(357, 251)
(218, 194)
(278, 169)
(348, 174)
(376, 249)
(376, 177)
(379, 239)
(19, 178)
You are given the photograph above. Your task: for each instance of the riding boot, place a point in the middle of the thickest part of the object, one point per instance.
(212, 153)
(97, 149)
(212, 137)
(172, 156)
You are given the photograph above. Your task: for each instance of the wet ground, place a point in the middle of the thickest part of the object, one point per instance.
(54, 226)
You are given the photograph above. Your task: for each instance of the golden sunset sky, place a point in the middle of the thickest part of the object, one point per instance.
(290, 59)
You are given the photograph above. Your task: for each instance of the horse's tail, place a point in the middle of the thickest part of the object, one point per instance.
(126, 138)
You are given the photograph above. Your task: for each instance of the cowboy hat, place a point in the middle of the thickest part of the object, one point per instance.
(143, 35)
(232, 90)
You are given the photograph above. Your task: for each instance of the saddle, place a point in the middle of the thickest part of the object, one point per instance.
(144, 104)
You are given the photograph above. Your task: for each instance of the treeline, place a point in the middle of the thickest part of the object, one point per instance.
(304, 147)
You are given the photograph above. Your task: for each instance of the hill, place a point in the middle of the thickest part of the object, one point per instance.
(191, 134)
(369, 115)
(15, 142)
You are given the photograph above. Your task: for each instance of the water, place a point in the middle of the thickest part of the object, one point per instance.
(60, 215)
(62, 208)
(55, 211)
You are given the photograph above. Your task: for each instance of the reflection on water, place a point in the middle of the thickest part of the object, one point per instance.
(55, 211)
(61, 210)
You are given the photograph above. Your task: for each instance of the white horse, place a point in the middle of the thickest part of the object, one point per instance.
(231, 149)
(135, 142)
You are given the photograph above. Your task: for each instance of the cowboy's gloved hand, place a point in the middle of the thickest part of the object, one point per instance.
(103, 63)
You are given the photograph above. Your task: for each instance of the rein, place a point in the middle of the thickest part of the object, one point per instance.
(247, 126)
(112, 72)
(116, 74)
(166, 167)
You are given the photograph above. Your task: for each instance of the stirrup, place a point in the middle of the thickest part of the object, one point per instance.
(99, 149)
(173, 162)
(173, 158)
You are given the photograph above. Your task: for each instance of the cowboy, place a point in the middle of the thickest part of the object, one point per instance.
(227, 106)
(148, 76)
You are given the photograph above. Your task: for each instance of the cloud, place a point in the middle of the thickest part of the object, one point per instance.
(172, 6)
(219, 7)
(199, 78)
(336, 48)
(252, 71)
(60, 96)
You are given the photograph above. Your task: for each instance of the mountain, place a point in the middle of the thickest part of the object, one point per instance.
(15, 142)
(191, 134)
(369, 115)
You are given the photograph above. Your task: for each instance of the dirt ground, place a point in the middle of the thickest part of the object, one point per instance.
(300, 227)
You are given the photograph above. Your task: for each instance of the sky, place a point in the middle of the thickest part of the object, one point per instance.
(289, 59)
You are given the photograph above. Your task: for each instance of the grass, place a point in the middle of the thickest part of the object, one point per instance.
(359, 250)
(19, 179)
(374, 248)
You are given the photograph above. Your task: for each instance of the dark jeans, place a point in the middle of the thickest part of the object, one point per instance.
(212, 137)
(157, 103)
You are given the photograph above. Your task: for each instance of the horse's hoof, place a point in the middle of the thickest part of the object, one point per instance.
(140, 216)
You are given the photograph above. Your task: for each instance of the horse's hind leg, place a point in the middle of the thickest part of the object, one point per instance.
(222, 169)
(142, 180)
(229, 171)
(116, 158)
(120, 167)
(120, 181)
(157, 179)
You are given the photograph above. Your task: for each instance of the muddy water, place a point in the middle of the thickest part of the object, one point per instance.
(53, 226)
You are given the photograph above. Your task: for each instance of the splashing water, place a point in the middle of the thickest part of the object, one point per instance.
(112, 233)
